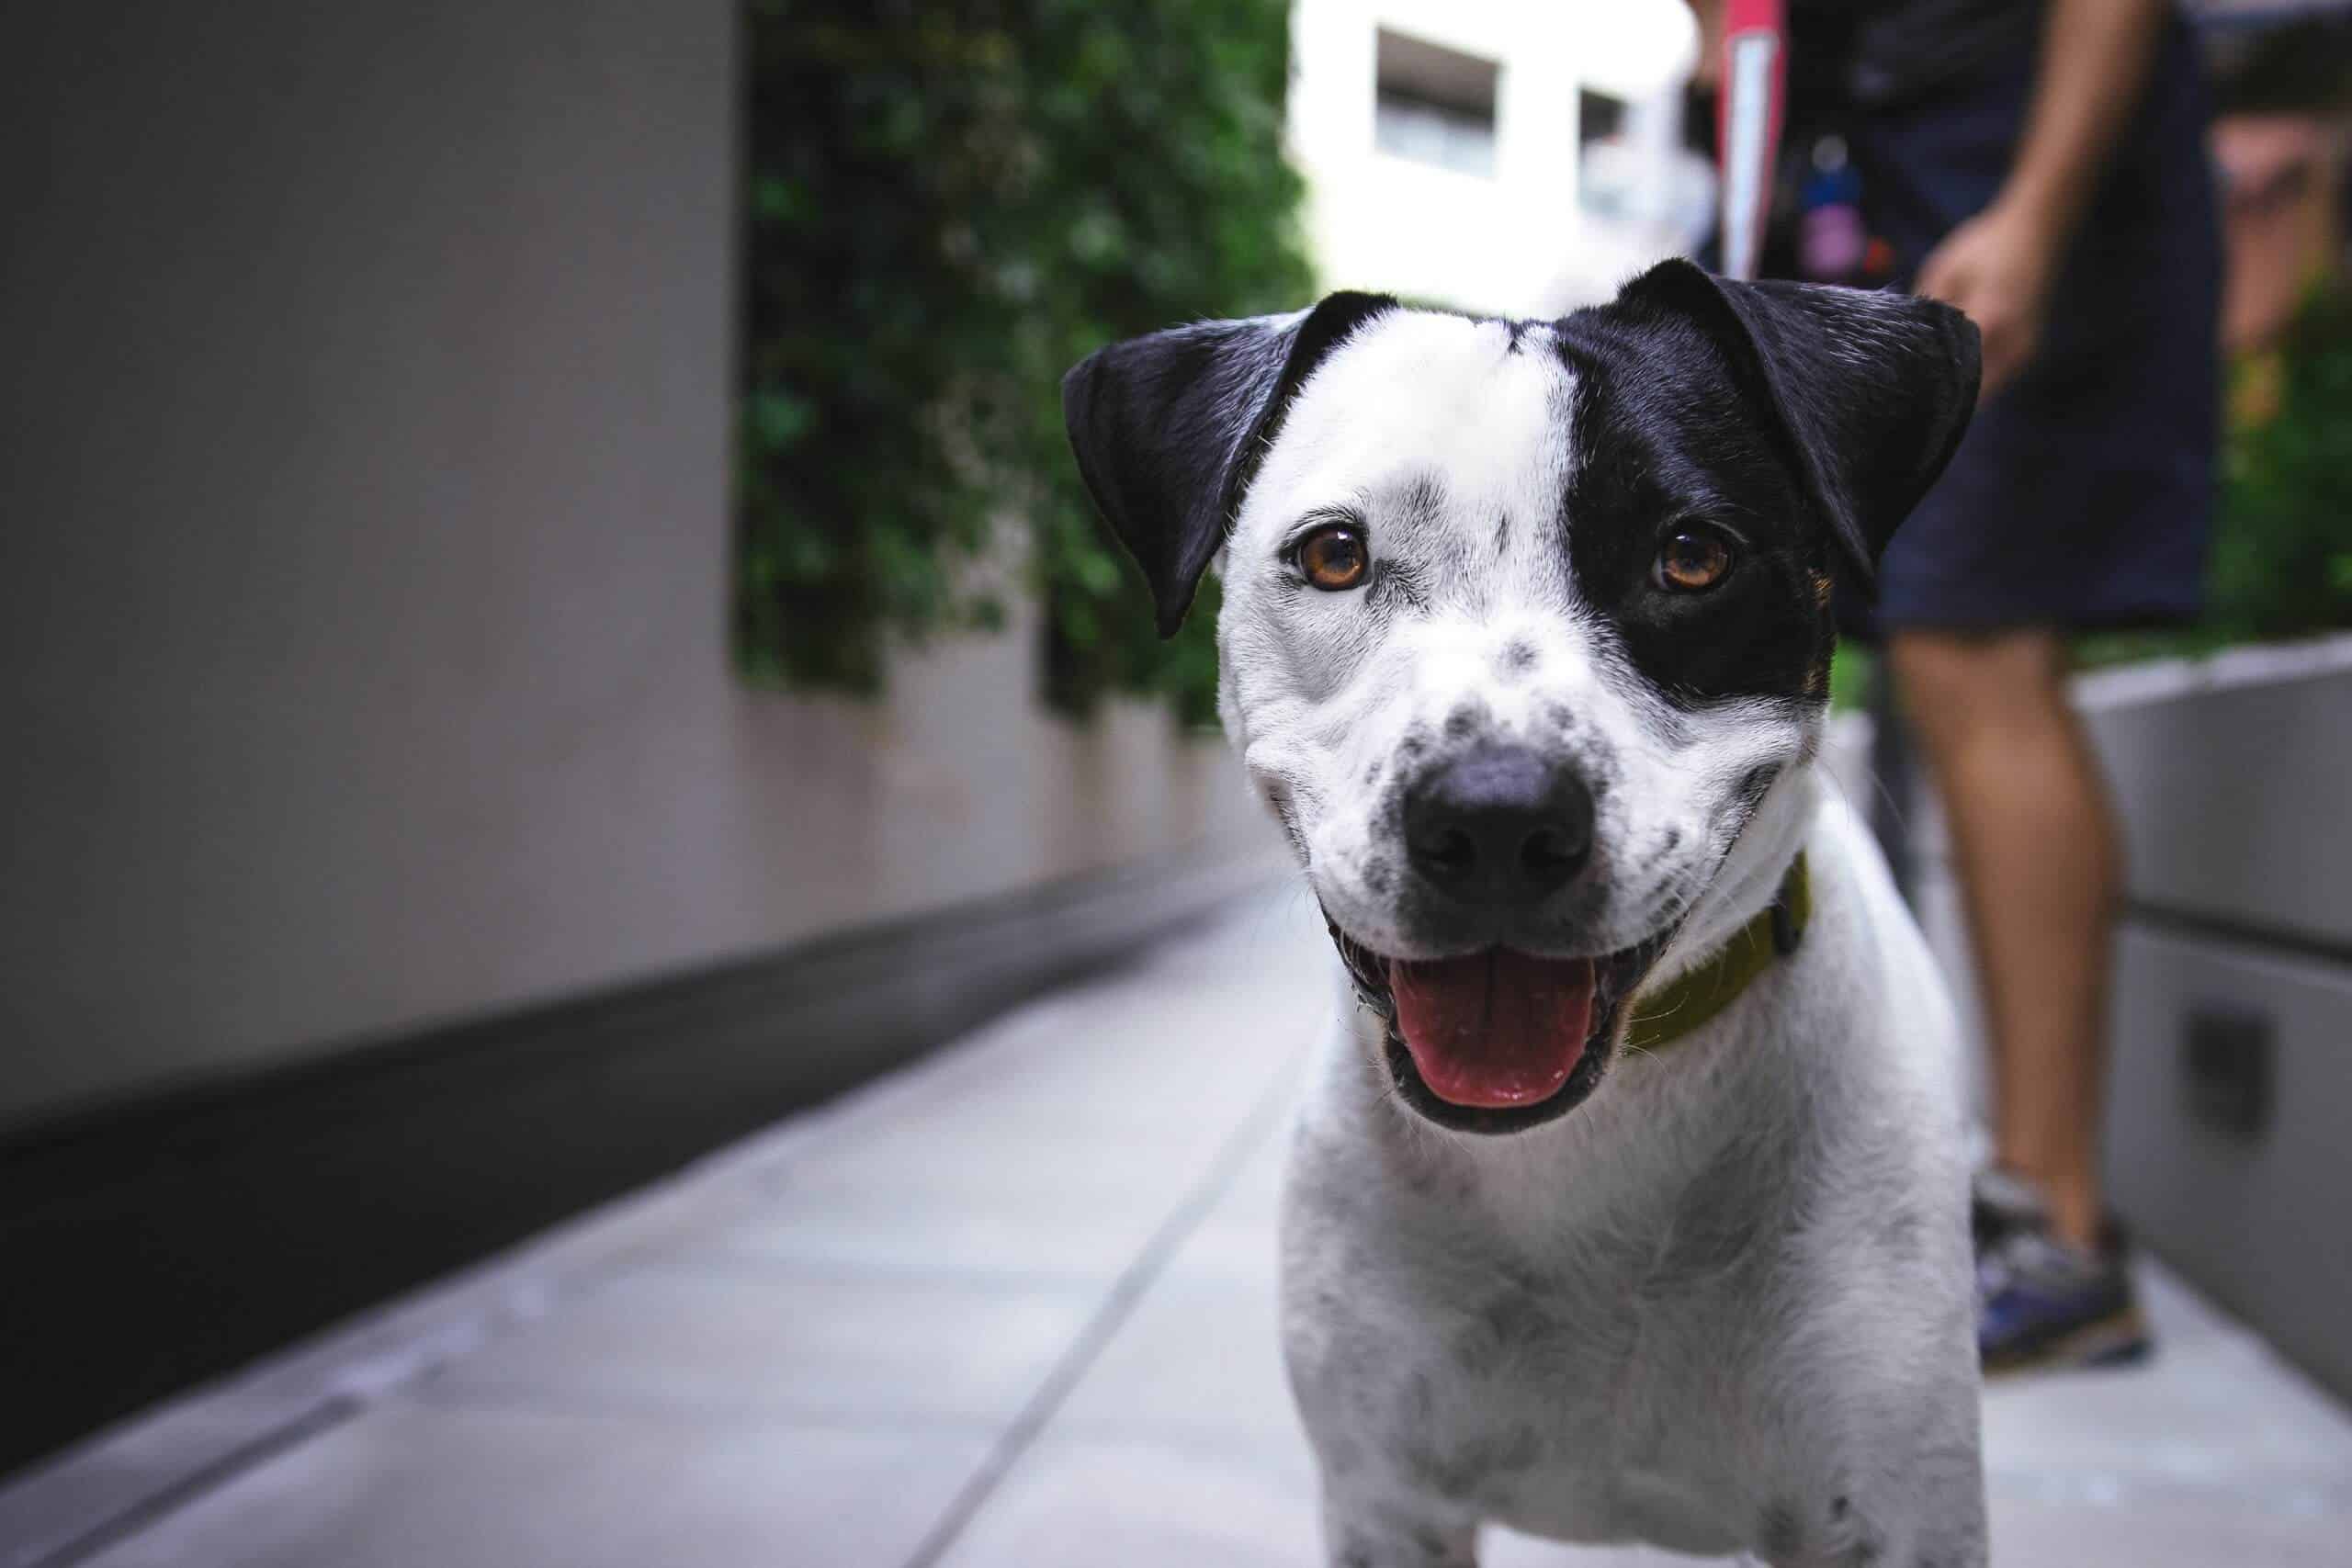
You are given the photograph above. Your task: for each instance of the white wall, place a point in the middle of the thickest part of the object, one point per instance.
(1516, 243)
(365, 562)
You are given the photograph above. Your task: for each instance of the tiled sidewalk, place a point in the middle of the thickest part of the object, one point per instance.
(1011, 1309)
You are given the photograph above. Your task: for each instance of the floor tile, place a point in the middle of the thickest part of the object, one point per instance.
(1198, 1361)
(728, 1340)
(1041, 1164)
(2178, 1316)
(1239, 1237)
(1088, 1503)
(1075, 1230)
(2214, 1413)
(59, 1501)
(1503, 1549)
(407, 1486)
(2152, 1533)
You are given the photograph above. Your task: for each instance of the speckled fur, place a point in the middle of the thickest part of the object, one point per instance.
(1723, 1305)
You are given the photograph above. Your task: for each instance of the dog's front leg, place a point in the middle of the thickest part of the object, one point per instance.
(1931, 1518)
(1361, 1531)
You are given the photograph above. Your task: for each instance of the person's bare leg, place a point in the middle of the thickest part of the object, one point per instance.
(2035, 844)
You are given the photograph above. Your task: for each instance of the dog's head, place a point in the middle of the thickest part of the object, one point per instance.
(1522, 620)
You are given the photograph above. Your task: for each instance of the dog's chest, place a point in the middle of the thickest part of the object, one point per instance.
(1554, 1389)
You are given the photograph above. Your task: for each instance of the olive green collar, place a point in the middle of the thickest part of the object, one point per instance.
(1692, 999)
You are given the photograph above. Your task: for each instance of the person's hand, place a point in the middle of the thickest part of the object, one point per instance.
(1998, 268)
(1708, 72)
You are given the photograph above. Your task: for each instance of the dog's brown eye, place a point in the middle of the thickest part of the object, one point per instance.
(1334, 558)
(1694, 559)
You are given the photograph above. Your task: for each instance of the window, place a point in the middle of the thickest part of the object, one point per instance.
(1599, 115)
(1435, 105)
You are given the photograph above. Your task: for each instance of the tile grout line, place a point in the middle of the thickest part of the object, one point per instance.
(1125, 1291)
(772, 1269)
(334, 1409)
(326, 1414)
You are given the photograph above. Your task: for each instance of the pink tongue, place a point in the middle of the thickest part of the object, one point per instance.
(1494, 1029)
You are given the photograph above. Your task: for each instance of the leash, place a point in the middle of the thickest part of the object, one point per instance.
(1749, 101)
(1705, 991)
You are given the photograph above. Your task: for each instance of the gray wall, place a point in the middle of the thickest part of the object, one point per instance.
(2230, 774)
(364, 568)
(2233, 778)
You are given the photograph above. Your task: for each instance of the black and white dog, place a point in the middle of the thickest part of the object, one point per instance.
(1627, 1200)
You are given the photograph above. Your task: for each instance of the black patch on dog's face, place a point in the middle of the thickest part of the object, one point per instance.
(1169, 428)
(1663, 442)
(1801, 423)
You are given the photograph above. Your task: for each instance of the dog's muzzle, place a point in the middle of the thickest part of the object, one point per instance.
(1497, 1041)
(1499, 828)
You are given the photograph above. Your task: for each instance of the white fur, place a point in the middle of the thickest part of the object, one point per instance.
(1723, 1305)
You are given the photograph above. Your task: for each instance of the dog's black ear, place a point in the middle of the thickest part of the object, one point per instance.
(1871, 391)
(1169, 429)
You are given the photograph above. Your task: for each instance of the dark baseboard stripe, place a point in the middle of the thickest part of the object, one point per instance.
(2270, 942)
(150, 1245)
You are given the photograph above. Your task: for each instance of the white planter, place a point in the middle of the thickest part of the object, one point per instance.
(2233, 775)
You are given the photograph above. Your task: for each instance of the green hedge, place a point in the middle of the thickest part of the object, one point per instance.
(949, 205)
(2282, 563)
(2282, 557)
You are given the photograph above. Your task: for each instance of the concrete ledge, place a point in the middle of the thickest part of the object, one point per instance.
(2231, 1076)
(2245, 1198)
(2231, 774)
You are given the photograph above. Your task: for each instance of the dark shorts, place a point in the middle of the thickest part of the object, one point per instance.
(2083, 496)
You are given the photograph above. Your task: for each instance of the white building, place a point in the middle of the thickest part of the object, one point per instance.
(1512, 156)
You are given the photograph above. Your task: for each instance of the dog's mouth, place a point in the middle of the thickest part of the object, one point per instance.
(1497, 1041)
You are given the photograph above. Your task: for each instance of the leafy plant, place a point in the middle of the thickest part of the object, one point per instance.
(2282, 558)
(950, 204)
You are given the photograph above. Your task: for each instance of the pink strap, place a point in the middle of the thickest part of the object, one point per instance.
(1749, 113)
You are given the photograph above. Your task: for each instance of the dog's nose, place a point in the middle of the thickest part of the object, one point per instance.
(1499, 825)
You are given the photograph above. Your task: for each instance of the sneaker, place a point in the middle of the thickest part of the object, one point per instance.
(2000, 1202)
(2043, 1304)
